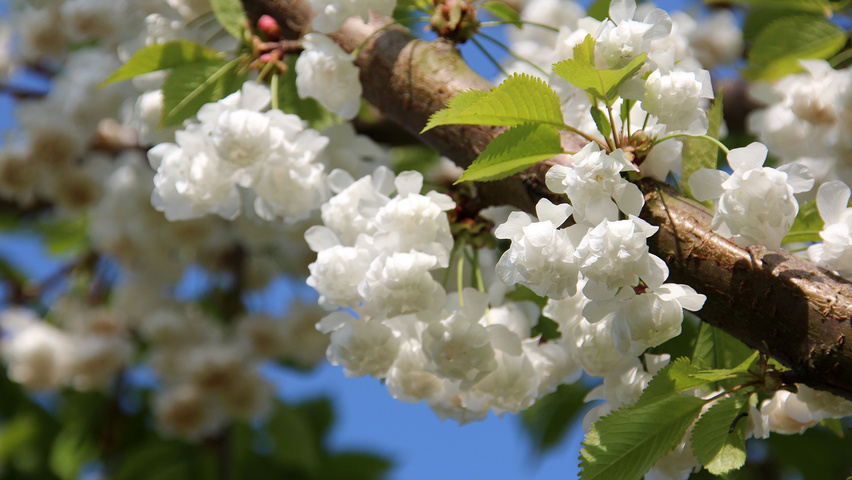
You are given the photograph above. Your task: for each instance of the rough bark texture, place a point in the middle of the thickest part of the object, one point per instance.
(773, 301)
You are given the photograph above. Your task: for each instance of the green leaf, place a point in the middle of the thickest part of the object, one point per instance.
(699, 152)
(296, 444)
(550, 417)
(600, 83)
(718, 439)
(823, 7)
(71, 449)
(231, 15)
(719, 374)
(716, 349)
(503, 12)
(806, 226)
(760, 17)
(65, 235)
(350, 465)
(163, 56)
(191, 86)
(779, 46)
(514, 150)
(520, 98)
(628, 442)
(834, 425)
(599, 10)
(674, 378)
(601, 121)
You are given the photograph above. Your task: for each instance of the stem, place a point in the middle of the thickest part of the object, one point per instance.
(612, 123)
(511, 53)
(840, 58)
(490, 57)
(586, 136)
(274, 87)
(480, 284)
(706, 137)
(506, 22)
(460, 279)
(453, 252)
(645, 122)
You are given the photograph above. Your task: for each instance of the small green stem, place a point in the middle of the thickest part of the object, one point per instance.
(840, 58)
(511, 53)
(706, 137)
(645, 122)
(264, 71)
(274, 87)
(506, 22)
(480, 284)
(490, 57)
(612, 124)
(460, 279)
(453, 252)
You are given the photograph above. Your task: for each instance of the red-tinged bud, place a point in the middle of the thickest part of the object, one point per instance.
(269, 27)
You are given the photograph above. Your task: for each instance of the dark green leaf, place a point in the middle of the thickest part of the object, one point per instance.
(231, 15)
(514, 150)
(503, 12)
(834, 425)
(601, 121)
(718, 439)
(716, 349)
(548, 420)
(296, 445)
(599, 10)
(818, 6)
(189, 87)
(759, 17)
(163, 56)
(779, 47)
(354, 465)
(71, 449)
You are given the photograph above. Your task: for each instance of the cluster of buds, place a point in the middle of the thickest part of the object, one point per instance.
(454, 20)
(467, 225)
(269, 47)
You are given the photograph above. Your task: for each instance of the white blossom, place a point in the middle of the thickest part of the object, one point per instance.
(835, 251)
(325, 72)
(756, 203)
(595, 186)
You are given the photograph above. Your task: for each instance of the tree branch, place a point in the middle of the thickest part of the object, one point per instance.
(773, 301)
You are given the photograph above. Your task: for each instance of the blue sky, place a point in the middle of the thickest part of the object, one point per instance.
(420, 445)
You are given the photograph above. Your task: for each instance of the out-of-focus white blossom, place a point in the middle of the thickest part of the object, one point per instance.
(835, 251)
(332, 13)
(327, 73)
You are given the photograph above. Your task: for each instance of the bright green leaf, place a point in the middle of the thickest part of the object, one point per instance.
(191, 86)
(163, 56)
(65, 235)
(231, 15)
(600, 83)
(676, 377)
(547, 421)
(514, 150)
(520, 98)
(503, 12)
(807, 225)
(718, 439)
(628, 442)
(699, 152)
(779, 46)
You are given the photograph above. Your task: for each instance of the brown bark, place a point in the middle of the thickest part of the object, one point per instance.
(772, 301)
